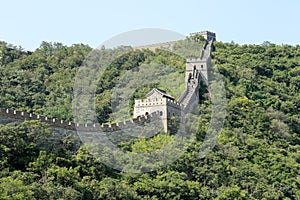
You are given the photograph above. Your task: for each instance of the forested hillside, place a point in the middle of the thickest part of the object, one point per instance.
(258, 150)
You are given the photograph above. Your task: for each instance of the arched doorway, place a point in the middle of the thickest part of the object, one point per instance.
(190, 77)
(195, 72)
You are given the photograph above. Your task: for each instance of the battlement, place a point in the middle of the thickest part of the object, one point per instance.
(150, 102)
(173, 103)
(156, 102)
(191, 60)
(22, 115)
(139, 121)
(96, 127)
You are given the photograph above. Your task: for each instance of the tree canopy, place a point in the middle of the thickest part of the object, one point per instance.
(257, 155)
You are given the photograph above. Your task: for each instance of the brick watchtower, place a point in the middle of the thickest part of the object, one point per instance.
(157, 100)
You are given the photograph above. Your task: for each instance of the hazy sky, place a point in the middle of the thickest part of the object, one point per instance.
(29, 22)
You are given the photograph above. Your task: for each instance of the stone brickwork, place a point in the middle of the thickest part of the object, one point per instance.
(157, 105)
(55, 123)
(158, 101)
(200, 66)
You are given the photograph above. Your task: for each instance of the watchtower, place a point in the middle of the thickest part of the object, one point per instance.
(201, 66)
(195, 67)
(206, 34)
(157, 100)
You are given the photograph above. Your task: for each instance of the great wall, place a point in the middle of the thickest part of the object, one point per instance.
(56, 123)
(196, 70)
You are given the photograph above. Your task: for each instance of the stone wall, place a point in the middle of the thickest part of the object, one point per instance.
(145, 110)
(53, 122)
(152, 47)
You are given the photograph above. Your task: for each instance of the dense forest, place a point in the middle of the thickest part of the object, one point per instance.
(257, 155)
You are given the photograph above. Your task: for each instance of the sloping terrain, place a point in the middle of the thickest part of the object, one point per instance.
(257, 155)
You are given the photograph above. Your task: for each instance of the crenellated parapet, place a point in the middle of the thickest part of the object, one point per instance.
(150, 102)
(23, 115)
(157, 102)
(191, 60)
(174, 104)
(158, 105)
(139, 121)
(96, 127)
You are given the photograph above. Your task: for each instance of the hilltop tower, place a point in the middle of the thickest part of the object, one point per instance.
(206, 34)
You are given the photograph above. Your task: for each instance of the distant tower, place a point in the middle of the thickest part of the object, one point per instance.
(202, 64)
(195, 65)
(157, 100)
(206, 34)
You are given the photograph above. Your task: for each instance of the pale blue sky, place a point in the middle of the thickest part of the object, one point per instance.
(29, 22)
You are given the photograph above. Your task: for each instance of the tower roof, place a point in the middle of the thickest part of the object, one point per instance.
(157, 92)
